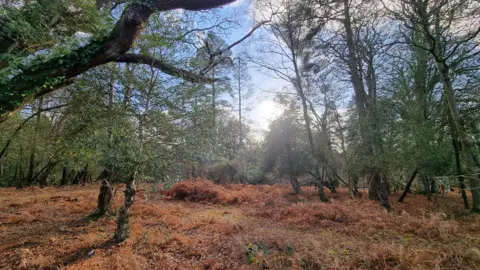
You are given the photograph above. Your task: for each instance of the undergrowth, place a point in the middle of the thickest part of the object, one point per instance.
(199, 225)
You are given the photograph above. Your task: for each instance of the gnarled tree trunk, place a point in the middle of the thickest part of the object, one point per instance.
(104, 199)
(123, 226)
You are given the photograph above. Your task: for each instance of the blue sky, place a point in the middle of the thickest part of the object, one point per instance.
(262, 107)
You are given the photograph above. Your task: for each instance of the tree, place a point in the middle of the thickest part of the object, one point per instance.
(241, 80)
(46, 73)
(449, 41)
(287, 30)
(51, 69)
(281, 141)
(355, 40)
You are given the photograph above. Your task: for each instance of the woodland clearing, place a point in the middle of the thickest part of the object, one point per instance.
(199, 225)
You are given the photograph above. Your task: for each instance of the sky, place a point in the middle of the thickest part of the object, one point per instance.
(265, 84)
(262, 107)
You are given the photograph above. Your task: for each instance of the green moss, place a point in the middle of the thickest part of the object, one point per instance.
(20, 82)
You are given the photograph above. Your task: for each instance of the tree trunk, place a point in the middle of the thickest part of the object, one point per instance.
(31, 166)
(409, 184)
(330, 178)
(240, 135)
(64, 180)
(426, 186)
(14, 181)
(458, 167)
(321, 193)
(74, 177)
(428, 183)
(42, 176)
(104, 199)
(107, 174)
(123, 229)
(60, 71)
(291, 168)
(470, 168)
(350, 186)
(352, 179)
(19, 177)
(355, 76)
(378, 188)
(353, 185)
(2, 166)
(298, 86)
(214, 102)
(83, 175)
(433, 186)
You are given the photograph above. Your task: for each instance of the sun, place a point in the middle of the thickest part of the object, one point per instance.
(268, 111)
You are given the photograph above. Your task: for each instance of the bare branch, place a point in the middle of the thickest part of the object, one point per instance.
(213, 55)
(461, 42)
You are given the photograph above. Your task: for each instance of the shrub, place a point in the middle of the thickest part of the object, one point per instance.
(198, 190)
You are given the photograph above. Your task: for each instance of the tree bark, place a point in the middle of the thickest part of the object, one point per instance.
(64, 180)
(104, 199)
(214, 103)
(109, 175)
(74, 177)
(321, 193)
(2, 167)
(19, 177)
(456, 149)
(42, 176)
(31, 166)
(123, 226)
(351, 178)
(291, 168)
(58, 71)
(240, 135)
(14, 181)
(458, 167)
(426, 185)
(378, 188)
(360, 99)
(409, 184)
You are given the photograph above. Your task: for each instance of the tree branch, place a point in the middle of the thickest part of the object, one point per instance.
(214, 63)
(164, 67)
(33, 79)
(192, 5)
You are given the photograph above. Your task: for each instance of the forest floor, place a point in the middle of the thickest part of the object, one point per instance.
(202, 226)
